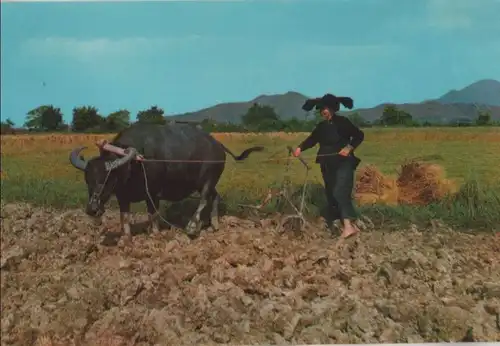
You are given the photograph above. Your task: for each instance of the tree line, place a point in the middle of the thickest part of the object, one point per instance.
(258, 118)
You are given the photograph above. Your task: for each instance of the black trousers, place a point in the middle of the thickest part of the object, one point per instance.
(338, 177)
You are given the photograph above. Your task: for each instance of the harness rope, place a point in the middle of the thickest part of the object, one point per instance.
(120, 151)
(281, 193)
(157, 212)
(142, 159)
(95, 196)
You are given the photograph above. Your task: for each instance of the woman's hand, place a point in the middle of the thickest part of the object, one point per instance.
(297, 152)
(346, 150)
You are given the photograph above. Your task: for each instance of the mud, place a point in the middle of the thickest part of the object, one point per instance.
(64, 282)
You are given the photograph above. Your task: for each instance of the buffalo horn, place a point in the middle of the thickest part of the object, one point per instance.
(76, 160)
(130, 154)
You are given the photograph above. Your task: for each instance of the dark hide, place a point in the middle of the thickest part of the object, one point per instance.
(171, 181)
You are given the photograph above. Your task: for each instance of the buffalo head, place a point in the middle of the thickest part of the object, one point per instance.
(102, 174)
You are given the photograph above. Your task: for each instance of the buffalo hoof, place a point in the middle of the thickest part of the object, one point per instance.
(215, 223)
(193, 230)
(193, 236)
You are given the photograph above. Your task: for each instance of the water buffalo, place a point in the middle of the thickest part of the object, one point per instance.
(123, 175)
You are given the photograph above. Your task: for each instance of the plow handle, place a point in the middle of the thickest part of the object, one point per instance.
(290, 150)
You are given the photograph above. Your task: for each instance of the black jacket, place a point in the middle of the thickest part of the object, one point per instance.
(333, 135)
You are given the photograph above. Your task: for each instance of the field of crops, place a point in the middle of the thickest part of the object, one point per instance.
(36, 167)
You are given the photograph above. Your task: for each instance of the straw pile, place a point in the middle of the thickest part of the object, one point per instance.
(373, 187)
(422, 183)
(417, 184)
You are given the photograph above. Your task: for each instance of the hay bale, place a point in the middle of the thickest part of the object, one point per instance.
(367, 198)
(373, 187)
(422, 183)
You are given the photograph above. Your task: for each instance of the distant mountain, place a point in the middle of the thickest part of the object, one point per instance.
(286, 105)
(454, 105)
(461, 104)
(432, 111)
(484, 92)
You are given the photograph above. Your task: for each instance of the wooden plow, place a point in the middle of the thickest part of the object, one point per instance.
(295, 221)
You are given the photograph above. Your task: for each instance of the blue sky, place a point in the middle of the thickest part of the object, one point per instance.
(184, 56)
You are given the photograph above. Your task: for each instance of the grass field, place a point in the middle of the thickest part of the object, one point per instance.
(36, 169)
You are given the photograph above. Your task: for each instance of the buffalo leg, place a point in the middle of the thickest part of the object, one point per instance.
(125, 218)
(194, 226)
(153, 213)
(214, 215)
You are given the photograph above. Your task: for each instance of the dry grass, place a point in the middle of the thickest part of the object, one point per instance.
(399, 166)
(20, 143)
(14, 144)
(423, 183)
(373, 187)
(418, 183)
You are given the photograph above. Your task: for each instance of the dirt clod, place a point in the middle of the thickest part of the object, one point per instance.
(244, 284)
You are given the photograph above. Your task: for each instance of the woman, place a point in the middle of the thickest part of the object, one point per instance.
(337, 137)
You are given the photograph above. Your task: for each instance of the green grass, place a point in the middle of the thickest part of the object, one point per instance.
(470, 156)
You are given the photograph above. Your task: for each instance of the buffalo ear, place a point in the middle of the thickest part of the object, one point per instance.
(347, 102)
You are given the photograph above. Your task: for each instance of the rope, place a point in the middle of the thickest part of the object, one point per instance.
(103, 185)
(157, 212)
(299, 211)
(140, 159)
(104, 145)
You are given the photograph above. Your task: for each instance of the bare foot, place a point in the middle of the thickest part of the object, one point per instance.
(349, 231)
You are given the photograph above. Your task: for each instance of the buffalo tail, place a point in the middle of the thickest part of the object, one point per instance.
(244, 154)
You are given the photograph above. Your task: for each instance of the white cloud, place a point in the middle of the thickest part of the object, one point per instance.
(337, 54)
(110, 57)
(353, 50)
(102, 49)
(457, 14)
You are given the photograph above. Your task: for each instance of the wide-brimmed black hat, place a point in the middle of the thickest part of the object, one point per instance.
(330, 101)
